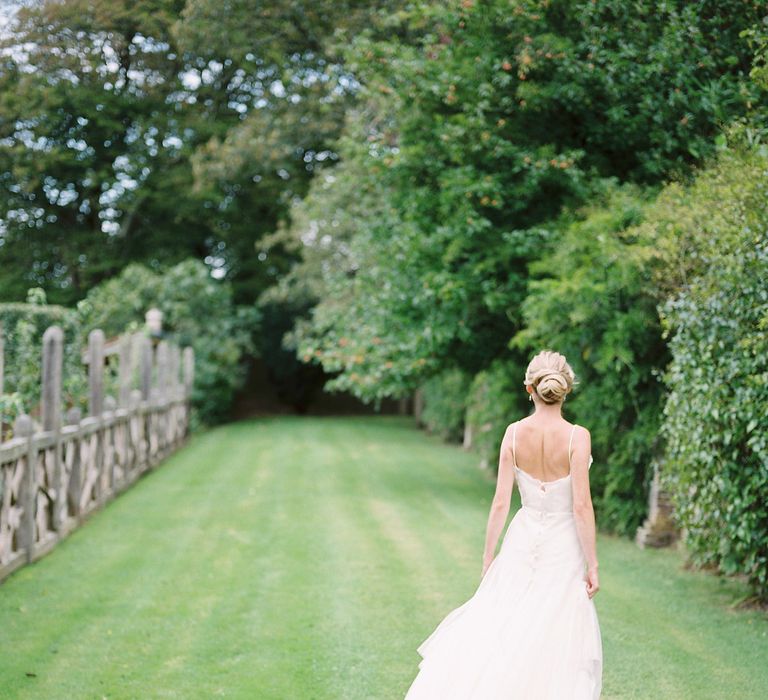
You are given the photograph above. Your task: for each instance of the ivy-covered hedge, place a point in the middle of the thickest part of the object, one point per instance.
(716, 412)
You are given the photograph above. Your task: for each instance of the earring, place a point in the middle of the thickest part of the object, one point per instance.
(530, 397)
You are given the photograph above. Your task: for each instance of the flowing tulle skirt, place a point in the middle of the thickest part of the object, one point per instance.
(530, 631)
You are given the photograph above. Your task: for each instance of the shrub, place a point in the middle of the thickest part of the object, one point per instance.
(445, 404)
(197, 310)
(715, 422)
(593, 298)
(23, 328)
(496, 398)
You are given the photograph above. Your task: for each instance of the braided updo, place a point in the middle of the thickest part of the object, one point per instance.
(550, 375)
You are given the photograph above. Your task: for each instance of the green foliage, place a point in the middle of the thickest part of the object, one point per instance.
(23, 327)
(593, 297)
(757, 36)
(497, 398)
(484, 134)
(11, 406)
(87, 149)
(365, 282)
(478, 129)
(321, 229)
(445, 404)
(296, 383)
(197, 311)
(715, 422)
(154, 130)
(648, 85)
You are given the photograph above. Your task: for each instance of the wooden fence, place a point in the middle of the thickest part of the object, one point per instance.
(53, 475)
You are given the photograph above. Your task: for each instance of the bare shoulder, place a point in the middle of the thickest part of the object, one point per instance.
(508, 431)
(582, 436)
(511, 430)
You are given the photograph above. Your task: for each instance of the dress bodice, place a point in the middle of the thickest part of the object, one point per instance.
(550, 496)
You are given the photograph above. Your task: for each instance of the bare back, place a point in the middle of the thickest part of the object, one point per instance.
(543, 450)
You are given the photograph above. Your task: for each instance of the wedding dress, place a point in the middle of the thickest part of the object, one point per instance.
(530, 631)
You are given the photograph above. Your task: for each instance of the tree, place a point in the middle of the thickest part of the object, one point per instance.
(475, 137)
(154, 130)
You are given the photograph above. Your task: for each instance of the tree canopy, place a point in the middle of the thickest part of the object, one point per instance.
(155, 130)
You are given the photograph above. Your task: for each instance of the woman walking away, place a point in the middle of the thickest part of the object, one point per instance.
(530, 631)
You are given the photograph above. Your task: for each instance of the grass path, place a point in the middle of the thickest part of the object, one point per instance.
(306, 559)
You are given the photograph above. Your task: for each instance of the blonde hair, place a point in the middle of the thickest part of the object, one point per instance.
(550, 375)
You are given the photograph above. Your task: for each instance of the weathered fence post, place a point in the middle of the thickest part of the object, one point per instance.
(125, 369)
(418, 405)
(2, 358)
(154, 321)
(53, 361)
(466, 443)
(96, 401)
(24, 427)
(162, 370)
(2, 377)
(175, 371)
(146, 368)
(189, 370)
(188, 359)
(162, 419)
(136, 435)
(96, 372)
(2, 362)
(73, 417)
(170, 382)
(108, 446)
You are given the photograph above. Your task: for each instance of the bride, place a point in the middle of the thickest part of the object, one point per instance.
(530, 631)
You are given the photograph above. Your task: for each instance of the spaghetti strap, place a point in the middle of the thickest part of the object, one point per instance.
(514, 433)
(573, 429)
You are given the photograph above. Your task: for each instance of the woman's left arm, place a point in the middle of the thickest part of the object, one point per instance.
(505, 480)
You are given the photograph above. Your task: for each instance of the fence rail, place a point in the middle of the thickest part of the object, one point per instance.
(54, 474)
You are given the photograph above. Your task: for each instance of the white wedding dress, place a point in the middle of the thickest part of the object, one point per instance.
(530, 631)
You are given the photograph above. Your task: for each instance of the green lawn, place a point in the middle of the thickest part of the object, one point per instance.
(306, 558)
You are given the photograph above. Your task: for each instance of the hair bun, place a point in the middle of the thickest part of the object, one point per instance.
(552, 387)
(550, 375)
